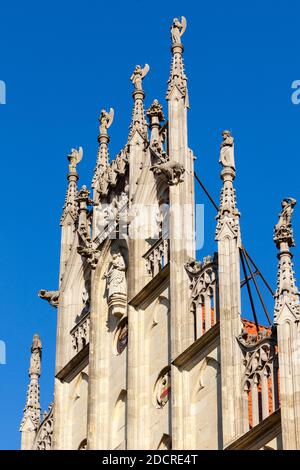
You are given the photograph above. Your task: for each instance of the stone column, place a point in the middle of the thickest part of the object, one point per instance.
(179, 172)
(286, 317)
(68, 232)
(137, 406)
(98, 425)
(229, 242)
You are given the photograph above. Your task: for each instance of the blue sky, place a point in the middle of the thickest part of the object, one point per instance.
(62, 62)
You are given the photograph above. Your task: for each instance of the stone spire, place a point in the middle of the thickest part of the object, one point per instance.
(228, 215)
(287, 294)
(70, 206)
(156, 116)
(32, 410)
(286, 319)
(138, 121)
(105, 120)
(229, 243)
(178, 79)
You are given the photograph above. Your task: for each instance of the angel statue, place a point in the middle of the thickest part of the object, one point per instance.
(177, 30)
(283, 228)
(115, 276)
(138, 75)
(106, 120)
(227, 150)
(74, 158)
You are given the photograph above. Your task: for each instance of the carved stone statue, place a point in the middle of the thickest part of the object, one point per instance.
(116, 279)
(177, 30)
(106, 120)
(285, 215)
(35, 359)
(74, 158)
(138, 75)
(116, 285)
(227, 150)
(283, 229)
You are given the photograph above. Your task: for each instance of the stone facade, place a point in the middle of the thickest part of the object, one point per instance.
(152, 350)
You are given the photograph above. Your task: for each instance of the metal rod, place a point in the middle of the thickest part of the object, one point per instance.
(206, 192)
(243, 282)
(257, 288)
(257, 270)
(249, 289)
(260, 273)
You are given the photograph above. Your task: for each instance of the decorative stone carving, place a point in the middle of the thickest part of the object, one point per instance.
(36, 354)
(178, 79)
(177, 30)
(117, 285)
(204, 292)
(106, 120)
(172, 172)
(260, 375)
(44, 437)
(70, 205)
(81, 334)
(227, 150)
(91, 253)
(74, 158)
(100, 178)
(138, 121)
(121, 339)
(283, 231)
(163, 388)
(228, 215)
(138, 75)
(52, 296)
(157, 257)
(156, 111)
(287, 294)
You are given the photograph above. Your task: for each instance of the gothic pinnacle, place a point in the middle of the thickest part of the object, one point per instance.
(32, 410)
(70, 206)
(178, 78)
(138, 113)
(105, 120)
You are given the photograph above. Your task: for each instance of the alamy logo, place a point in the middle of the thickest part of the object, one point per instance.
(2, 92)
(295, 97)
(2, 352)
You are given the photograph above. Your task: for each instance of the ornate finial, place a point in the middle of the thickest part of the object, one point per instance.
(228, 213)
(287, 293)
(156, 110)
(283, 231)
(177, 78)
(156, 116)
(177, 30)
(70, 205)
(227, 150)
(32, 410)
(138, 75)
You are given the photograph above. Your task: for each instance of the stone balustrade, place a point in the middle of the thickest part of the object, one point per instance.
(157, 256)
(80, 333)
